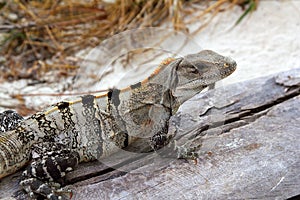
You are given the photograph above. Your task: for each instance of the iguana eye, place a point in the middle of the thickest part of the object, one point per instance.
(193, 70)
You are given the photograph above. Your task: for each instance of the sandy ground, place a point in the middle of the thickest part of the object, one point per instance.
(265, 42)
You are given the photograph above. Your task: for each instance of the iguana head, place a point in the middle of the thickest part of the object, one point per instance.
(196, 71)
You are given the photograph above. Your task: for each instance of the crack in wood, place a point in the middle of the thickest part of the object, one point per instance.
(241, 117)
(107, 173)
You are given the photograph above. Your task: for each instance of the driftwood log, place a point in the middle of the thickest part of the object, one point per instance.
(250, 149)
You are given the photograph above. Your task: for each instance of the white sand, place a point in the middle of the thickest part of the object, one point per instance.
(265, 42)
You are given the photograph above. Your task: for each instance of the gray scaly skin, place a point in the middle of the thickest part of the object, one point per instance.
(93, 127)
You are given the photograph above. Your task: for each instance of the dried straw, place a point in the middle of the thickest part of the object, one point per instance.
(46, 33)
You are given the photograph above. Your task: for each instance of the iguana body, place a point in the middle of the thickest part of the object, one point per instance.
(92, 127)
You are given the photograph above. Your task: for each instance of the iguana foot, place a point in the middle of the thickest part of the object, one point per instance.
(45, 175)
(37, 189)
(187, 153)
(166, 148)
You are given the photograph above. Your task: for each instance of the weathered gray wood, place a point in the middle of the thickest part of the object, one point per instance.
(250, 136)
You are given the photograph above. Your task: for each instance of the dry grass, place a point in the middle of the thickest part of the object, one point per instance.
(40, 36)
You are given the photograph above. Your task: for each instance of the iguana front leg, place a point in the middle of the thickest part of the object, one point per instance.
(50, 162)
(166, 146)
(46, 173)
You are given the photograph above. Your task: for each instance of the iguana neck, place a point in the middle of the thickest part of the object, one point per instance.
(172, 95)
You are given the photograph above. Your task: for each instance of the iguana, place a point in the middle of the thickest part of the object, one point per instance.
(91, 127)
